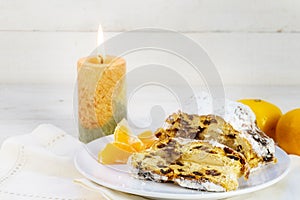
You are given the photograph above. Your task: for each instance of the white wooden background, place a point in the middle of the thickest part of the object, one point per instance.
(250, 41)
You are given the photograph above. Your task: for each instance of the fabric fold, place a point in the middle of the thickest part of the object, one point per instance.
(39, 165)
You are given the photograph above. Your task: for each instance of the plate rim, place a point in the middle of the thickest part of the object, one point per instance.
(192, 196)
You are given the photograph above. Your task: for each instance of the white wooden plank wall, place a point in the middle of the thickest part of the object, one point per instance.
(254, 42)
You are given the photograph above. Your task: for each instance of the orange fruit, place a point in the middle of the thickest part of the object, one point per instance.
(124, 146)
(288, 132)
(148, 138)
(267, 115)
(115, 153)
(124, 135)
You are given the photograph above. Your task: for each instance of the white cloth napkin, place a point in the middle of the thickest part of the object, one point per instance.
(39, 165)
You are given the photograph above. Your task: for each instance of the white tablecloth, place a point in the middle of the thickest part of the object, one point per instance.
(39, 165)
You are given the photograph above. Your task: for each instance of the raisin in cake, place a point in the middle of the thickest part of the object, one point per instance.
(251, 142)
(195, 164)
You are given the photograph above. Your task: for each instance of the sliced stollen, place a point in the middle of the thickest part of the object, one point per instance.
(200, 165)
(252, 143)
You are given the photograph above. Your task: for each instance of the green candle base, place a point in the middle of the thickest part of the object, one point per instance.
(87, 135)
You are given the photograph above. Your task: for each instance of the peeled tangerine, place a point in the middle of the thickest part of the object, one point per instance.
(125, 143)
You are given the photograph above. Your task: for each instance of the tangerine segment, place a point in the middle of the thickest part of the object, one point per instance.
(138, 145)
(124, 135)
(124, 146)
(115, 153)
(122, 132)
(148, 138)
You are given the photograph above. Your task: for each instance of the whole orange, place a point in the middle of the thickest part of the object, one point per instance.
(288, 132)
(267, 115)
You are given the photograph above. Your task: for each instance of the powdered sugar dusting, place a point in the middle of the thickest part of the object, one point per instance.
(242, 119)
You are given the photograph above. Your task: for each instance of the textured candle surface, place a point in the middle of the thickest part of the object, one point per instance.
(101, 96)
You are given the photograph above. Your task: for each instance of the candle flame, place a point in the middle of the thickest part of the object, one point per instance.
(100, 38)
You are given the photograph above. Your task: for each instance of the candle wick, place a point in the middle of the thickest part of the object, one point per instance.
(101, 59)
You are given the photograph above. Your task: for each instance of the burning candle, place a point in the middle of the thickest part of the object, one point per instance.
(101, 93)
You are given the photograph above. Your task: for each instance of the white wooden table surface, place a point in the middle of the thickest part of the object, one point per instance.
(23, 107)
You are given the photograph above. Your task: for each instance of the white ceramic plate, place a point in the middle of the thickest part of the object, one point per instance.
(117, 177)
